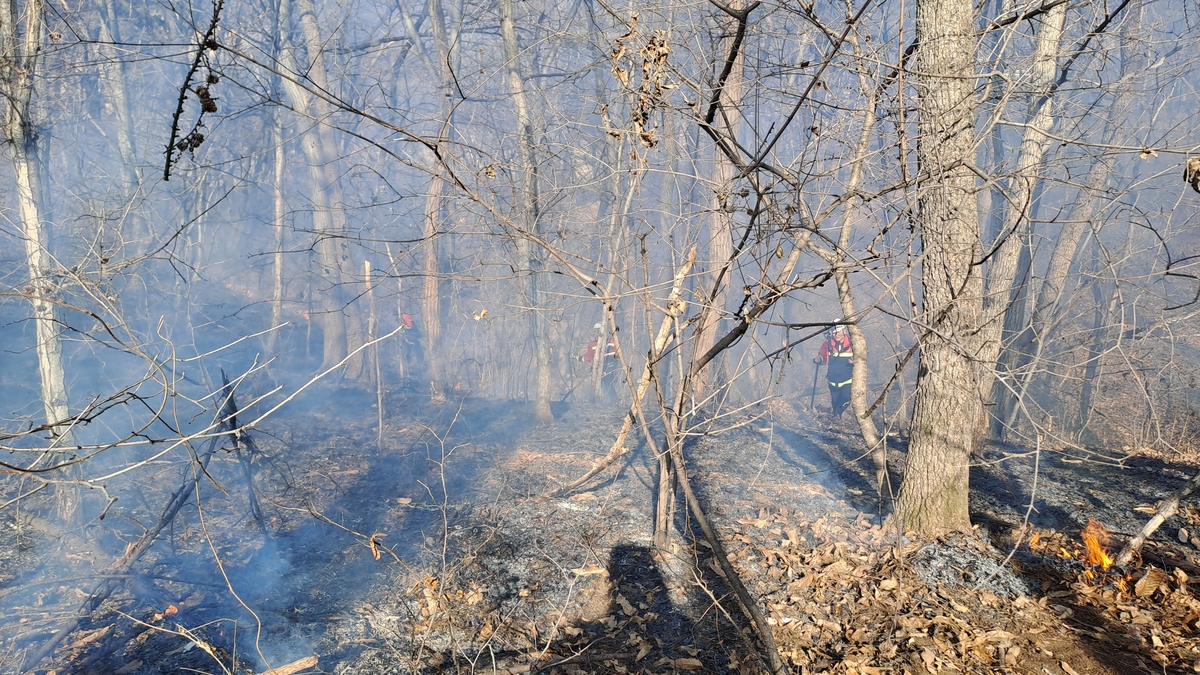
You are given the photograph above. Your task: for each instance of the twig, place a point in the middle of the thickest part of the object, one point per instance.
(532, 669)
(207, 42)
(293, 667)
(242, 441)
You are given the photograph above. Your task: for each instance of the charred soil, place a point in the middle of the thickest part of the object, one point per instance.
(438, 550)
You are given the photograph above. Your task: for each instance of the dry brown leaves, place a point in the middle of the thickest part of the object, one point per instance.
(843, 600)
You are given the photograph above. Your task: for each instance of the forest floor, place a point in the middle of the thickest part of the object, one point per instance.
(436, 550)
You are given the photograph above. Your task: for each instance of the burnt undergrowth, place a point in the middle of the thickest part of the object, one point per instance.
(439, 552)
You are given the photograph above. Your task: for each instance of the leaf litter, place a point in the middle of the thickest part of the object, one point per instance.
(572, 586)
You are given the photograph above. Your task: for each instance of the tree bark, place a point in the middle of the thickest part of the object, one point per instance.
(933, 496)
(278, 204)
(19, 56)
(316, 144)
(1014, 237)
(431, 307)
(720, 243)
(530, 211)
(279, 154)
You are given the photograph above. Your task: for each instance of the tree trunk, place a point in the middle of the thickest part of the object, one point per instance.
(530, 211)
(720, 243)
(19, 52)
(1014, 236)
(315, 144)
(997, 96)
(112, 69)
(431, 299)
(933, 496)
(610, 241)
(1092, 371)
(1083, 212)
(858, 341)
(279, 206)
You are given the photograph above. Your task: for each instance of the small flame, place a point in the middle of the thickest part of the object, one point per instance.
(1095, 538)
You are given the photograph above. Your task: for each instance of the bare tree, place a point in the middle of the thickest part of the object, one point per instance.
(530, 210)
(21, 42)
(933, 496)
(319, 148)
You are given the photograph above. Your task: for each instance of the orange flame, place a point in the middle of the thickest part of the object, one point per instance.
(1095, 538)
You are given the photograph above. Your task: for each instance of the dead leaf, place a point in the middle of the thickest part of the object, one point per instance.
(375, 544)
(995, 636)
(184, 649)
(1150, 581)
(688, 663)
(626, 608)
(712, 564)
(632, 28)
(128, 668)
(404, 501)
(474, 597)
(91, 636)
(1068, 669)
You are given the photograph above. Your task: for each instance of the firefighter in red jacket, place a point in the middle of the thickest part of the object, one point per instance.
(608, 366)
(837, 354)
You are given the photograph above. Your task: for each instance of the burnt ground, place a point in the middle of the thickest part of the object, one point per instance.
(437, 552)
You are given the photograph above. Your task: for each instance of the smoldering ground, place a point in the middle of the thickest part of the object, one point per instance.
(438, 548)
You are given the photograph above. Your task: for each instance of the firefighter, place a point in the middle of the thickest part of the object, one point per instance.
(608, 367)
(412, 354)
(836, 353)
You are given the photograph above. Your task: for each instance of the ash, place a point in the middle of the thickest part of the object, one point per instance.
(441, 550)
(962, 563)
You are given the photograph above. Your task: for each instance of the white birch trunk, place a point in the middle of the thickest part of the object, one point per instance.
(325, 224)
(19, 54)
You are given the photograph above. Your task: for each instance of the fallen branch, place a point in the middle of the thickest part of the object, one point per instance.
(120, 570)
(533, 669)
(1166, 508)
(293, 667)
(735, 582)
(245, 442)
